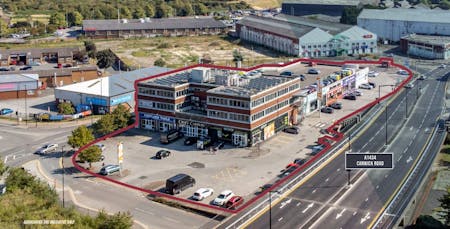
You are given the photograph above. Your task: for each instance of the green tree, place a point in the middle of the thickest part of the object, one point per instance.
(99, 14)
(159, 62)
(80, 137)
(163, 10)
(66, 108)
(139, 13)
(149, 10)
(91, 154)
(74, 18)
(349, 15)
(444, 4)
(91, 48)
(200, 9)
(125, 12)
(105, 125)
(58, 19)
(118, 220)
(445, 205)
(105, 58)
(3, 167)
(4, 30)
(121, 116)
(237, 56)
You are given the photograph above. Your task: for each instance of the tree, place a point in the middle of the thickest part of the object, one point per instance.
(138, 13)
(58, 19)
(200, 9)
(349, 15)
(121, 116)
(118, 220)
(66, 108)
(445, 205)
(3, 167)
(75, 18)
(91, 154)
(105, 125)
(163, 10)
(105, 58)
(125, 12)
(237, 56)
(99, 14)
(80, 137)
(159, 62)
(444, 4)
(91, 48)
(149, 10)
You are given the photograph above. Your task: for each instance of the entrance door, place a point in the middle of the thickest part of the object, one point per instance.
(240, 139)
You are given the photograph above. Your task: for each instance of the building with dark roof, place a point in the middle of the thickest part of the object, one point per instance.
(217, 103)
(14, 86)
(426, 46)
(298, 36)
(309, 7)
(151, 27)
(37, 55)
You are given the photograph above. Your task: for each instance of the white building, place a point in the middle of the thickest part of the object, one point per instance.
(395, 23)
(305, 37)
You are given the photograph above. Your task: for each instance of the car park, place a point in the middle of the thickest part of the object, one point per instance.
(373, 74)
(190, 141)
(234, 202)
(47, 148)
(365, 86)
(109, 169)
(286, 73)
(223, 198)
(350, 97)
(6, 111)
(328, 110)
(291, 130)
(162, 154)
(336, 105)
(313, 71)
(202, 193)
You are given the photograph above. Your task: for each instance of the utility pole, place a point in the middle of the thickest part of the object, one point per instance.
(26, 106)
(63, 172)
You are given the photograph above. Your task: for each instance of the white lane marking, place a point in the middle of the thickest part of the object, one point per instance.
(298, 204)
(144, 211)
(367, 199)
(366, 217)
(411, 128)
(385, 176)
(406, 149)
(308, 207)
(280, 219)
(377, 187)
(340, 214)
(409, 159)
(170, 219)
(354, 213)
(1, 137)
(284, 203)
(338, 170)
(326, 180)
(314, 190)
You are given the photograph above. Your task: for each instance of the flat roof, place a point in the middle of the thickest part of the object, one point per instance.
(197, 22)
(324, 2)
(428, 39)
(113, 85)
(253, 87)
(401, 14)
(18, 78)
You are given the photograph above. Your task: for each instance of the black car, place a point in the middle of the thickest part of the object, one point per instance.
(302, 77)
(162, 154)
(219, 145)
(350, 97)
(299, 161)
(190, 141)
(328, 110)
(372, 84)
(26, 68)
(291, 130)
(336, 105)
(4, 69)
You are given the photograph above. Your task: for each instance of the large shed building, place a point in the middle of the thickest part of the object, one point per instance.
(326, 7)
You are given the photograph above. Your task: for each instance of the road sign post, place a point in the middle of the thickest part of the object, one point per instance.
(120, 156)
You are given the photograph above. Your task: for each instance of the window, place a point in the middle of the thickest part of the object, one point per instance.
(238, 103)
(146, 91)
(283, 91)
(271, 109)
(218, 101)
(217, 114)
(269, 97)
(183, 92)
(314, 46)
(258, 115)
(238, 117)
(257, 102)
(163, 93)
(309, 46)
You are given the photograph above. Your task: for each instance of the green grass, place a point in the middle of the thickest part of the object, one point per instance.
(141, 53)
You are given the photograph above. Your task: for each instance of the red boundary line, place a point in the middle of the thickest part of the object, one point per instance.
(338, 136)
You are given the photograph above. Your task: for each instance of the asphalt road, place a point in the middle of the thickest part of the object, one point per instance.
(326, 200)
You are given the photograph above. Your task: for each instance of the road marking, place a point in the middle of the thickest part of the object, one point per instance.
(314, 190)
(144, 211)
(6, 159)
(377, 187)
(409, 159)
(280, 219)
(298, 204)
(326, 180)
(354, 213)
(406, 149)
(385, 176)
(170, 219)
(284, 203)
(308, 207)
(411, 128)
(340, 214)
(367, 199)
(365, 218)
(338, 170)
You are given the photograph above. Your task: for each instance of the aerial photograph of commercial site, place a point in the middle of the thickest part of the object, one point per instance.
(225, 114)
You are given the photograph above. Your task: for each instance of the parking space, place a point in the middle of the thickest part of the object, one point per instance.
(242, 170)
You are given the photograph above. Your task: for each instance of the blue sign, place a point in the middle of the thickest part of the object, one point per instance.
(157, 117)
(120, 100)
(96, 101)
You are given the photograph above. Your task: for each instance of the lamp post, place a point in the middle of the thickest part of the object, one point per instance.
(26, 108)
(63, 172)
(385, 109)
(270, 208)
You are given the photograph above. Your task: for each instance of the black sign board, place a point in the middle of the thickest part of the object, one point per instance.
(369, 161)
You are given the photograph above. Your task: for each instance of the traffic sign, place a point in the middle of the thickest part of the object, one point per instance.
(369, 160)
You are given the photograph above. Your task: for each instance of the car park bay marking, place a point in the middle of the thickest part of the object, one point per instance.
(308, 207)
(144, 211)
(281, 218)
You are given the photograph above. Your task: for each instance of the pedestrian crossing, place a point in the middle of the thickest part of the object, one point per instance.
(320, 125)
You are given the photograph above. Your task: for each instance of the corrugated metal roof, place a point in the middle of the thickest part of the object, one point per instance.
(399, 14)
(37, 52)
(15, 78)
(113, 85)
(357, 33)
(324, 2)
(331, 27)
(154, 23)
(316, 36)
(273, 25)
(428, 39)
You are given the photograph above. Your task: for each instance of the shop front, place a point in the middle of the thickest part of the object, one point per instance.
(349, 84)
(192, 128)
(157, 122)
(311, 103)
(362, 76)
(269, 129)
(334, 93)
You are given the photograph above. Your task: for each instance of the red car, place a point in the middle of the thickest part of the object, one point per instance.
(234, 202)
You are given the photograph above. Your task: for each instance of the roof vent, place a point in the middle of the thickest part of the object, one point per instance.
(124, 21)
(141, 20)
(147, 19)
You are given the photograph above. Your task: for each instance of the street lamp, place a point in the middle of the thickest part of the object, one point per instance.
(63, 172)
(406, 105)
(385, 109)
(270, 207)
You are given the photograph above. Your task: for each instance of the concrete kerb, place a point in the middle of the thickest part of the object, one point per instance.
(49, 180)
(338, 136)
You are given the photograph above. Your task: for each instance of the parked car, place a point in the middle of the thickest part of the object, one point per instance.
(101, 146)
(202, 193)
(219, 145)
(328, 110)
(402, 72)
(4, 69)
(286, 73)
(224, 197)
(302, 77)
(350, 97)
(313, 71)
(422, 77)
(6, 111)
(190, 141)
(178, 183)
(357, 93)
(234, 202)
(291, 130)
(442, 66)
(162, 154)
(373, 74)
(365, 86)
(409, 85)
(336, 105)
(109, 169)
(291, 164)
(47, 148)
(288, 171)
(299, 161)
(26, 68)
(316, 149)
(372, 84)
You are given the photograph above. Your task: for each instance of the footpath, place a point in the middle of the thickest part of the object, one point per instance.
(47, 125)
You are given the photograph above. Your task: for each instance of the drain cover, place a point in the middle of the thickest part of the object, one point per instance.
(197, 165)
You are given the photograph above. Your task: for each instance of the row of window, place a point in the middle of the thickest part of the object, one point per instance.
(183, 92)
(228, 116)
(228, 102)
(156, 105)
(331, 45)
(270, 110)
(274, 95)
(161, 93)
